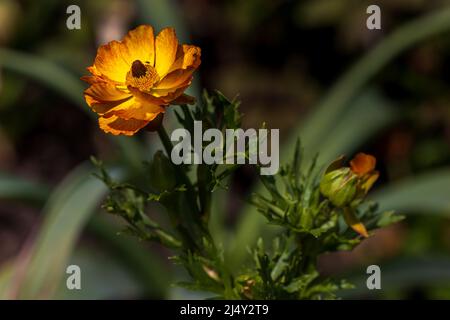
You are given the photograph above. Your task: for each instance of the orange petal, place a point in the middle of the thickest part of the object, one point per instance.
(139, 44)
(363, 163)
(368, 183)
(139, 111)
(93, 70)
(110, 61)
(116, 125)
(142, 107)
(187, 61)
(360, 229)
(166, 45)
(96, 77)
(352, 220)
(102, 97)
(171, 93)
(92, 79)
(146, 96)
(175, 79)
(187, 56)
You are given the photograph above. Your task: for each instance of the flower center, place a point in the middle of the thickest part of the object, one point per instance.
(142, 76)
(138, 69)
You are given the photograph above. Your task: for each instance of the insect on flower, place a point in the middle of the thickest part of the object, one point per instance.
(135, 79)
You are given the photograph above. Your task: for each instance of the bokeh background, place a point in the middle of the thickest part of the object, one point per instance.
(310, 68)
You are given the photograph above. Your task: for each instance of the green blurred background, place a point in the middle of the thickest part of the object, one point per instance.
(310, 68)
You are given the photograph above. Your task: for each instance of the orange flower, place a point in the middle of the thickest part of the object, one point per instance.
(133, 80)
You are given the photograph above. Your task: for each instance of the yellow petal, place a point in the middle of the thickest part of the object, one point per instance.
(175, 79)
(187, 56)
(116, 125)
(370, 180)
(159, 92)
(138, 111)
(102, 97)
(146, 96)
(187, 61)
(141, 107)
(96, 76)
(93, 70)
(352, 220)
(91, 79)
(166, 45)
(139, 44)
(110, 61)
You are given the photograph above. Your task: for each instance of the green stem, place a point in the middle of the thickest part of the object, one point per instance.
(201, 217)
(195, 225)
(167, 143)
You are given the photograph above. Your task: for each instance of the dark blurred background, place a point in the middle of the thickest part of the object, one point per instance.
(281, 58)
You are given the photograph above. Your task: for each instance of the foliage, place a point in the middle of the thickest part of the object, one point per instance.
(311, 223)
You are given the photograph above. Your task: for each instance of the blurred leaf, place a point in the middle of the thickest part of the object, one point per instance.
(46, 72)
(146, 268)
(102, 278)
(6, 273)
(403, 273)
(161, 14)
(141, 264)
(338, 99)
(15, 188)
(428, 193)
(367, 115)
(321, 12)
(66, 213)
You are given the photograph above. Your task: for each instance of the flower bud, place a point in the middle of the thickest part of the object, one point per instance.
(339, 186)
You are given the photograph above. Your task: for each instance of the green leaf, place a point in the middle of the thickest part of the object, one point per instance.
(402, 273)
(66, 213)
(146, 267)
(6, 280)
(134, 259)
(45, 72)
(367, 115)
(427, 193)
(16, 188)
(102, 277)
(339, 98)
(301, 282)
